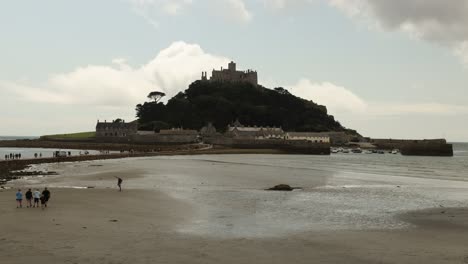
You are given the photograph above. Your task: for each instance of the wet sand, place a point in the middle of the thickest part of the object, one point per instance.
(78, 227)
(166, 218)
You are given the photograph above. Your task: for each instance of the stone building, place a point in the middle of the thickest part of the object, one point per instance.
(231, 74)
(116, 129)
(237, 130)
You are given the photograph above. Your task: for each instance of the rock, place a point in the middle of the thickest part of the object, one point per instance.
(281, 187)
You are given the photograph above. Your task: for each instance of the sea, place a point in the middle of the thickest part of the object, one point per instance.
(29, 153)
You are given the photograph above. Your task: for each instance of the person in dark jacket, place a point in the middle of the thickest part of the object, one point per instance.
(46, 195)
(29, 197)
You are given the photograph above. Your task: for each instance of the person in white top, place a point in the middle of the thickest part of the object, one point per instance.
(37, 196)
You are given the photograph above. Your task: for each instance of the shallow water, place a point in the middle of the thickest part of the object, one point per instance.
(341, 192)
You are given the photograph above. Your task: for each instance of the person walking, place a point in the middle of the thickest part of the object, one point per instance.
(119, 183)
(46, 196)
(37, 196)
(29, 197)
(19, 199)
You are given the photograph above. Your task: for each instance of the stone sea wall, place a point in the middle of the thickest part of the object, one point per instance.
(427, 149)
(112, 146)
(296, 147)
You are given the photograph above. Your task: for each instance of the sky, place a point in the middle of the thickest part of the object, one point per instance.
(389, 69)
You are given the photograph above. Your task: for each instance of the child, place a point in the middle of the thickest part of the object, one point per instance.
(28, 198)
(19, 199)
(37, 196)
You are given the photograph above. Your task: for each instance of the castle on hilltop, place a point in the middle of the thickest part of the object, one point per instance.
(231, 74)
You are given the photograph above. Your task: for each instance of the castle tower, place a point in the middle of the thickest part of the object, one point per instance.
(232, 66)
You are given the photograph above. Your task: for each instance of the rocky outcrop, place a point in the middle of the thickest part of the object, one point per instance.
(283, 187)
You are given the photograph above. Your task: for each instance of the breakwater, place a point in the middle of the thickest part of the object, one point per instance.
(286, 146)
(427, 149)
(85, 145)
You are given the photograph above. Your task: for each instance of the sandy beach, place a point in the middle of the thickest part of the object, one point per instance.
(173, 210)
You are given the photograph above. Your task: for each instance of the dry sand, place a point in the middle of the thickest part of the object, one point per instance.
(79, 227)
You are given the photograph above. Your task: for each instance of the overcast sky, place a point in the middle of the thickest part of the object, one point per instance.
(391, 69)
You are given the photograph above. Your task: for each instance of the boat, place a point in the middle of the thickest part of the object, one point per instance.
(357, 150)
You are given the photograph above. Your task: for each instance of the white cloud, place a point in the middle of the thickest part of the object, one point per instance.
(170, 7)
(343, 102)
(120, 84)
(337, 98)
(151, 10)
(234, 9)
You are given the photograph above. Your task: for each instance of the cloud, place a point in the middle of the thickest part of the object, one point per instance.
(337, 98)
(436, 21)
(152, 10)
(343, 102)
(417, 108)
(121, 85)
(234, 10)
(169, 7)
(283, 4)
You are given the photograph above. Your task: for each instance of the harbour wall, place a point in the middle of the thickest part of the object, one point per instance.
(289, 146)
(427, 149)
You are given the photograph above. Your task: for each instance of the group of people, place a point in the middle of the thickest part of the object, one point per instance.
(33, 198)
(12, 156)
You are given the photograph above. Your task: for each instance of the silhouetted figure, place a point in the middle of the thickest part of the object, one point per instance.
(29, 196)
(35, 155)
(119, 183)
(46, 196)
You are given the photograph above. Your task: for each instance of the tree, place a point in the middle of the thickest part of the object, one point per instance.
(222, 102)
(156, 96)
(281, 90)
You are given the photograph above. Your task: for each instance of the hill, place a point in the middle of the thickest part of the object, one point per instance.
(223, 103)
